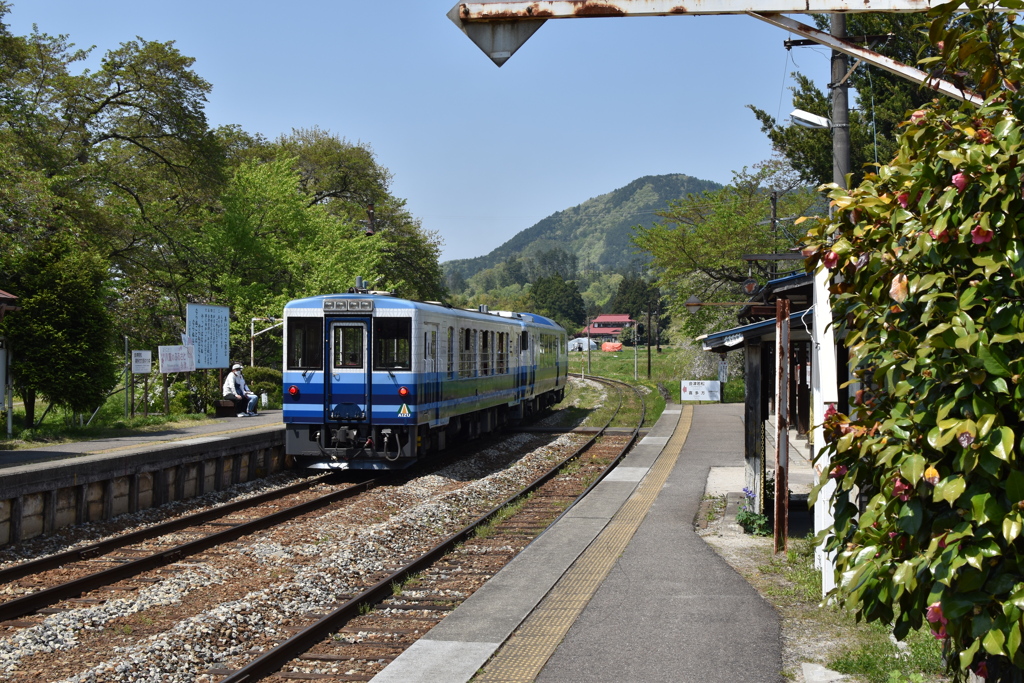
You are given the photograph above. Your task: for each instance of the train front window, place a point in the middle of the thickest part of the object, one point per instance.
(305, 343)
(348, 346)
(392, 344)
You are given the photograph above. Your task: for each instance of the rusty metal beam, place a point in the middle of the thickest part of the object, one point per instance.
(571, 9)
(501, 28)
(870, 56)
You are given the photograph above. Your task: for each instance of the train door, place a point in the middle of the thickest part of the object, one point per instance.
(432, 384)
(528, 343)
(347, 391)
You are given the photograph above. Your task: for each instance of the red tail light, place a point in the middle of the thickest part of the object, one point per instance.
(293, 390)
(403, 391)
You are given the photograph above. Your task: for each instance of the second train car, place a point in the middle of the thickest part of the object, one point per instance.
(372, 381)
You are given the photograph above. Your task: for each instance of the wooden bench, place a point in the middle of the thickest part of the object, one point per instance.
(225, 408)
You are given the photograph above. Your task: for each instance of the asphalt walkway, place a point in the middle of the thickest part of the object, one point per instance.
(620, 588)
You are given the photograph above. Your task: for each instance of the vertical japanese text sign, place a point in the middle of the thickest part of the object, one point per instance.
(208, 328)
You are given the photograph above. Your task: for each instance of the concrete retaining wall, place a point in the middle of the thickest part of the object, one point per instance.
(38, 498)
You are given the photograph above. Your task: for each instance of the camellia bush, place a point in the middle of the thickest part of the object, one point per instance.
(928, 268)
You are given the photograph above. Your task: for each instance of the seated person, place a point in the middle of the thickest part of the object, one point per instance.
(237, 390)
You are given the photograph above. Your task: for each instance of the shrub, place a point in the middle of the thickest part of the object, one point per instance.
(932, 277)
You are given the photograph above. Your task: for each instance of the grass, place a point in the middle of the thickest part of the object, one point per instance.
(865, 651)
(667, 368)
(487, 529)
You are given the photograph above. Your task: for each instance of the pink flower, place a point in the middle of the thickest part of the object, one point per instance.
(980, 235)
(838, 471)
(960, 181)
(939, 236)
(903, 198)
(901, 488)
(935, 616)
(918, 117)
(830, 411)
(830, 259)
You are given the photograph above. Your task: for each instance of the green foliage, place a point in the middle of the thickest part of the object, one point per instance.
(558, 299)
(697, 248)
(882, 100)
(120, 160)
(932, 267)
(265, 380)
(753, 522)
(597, 232)
(62, 336)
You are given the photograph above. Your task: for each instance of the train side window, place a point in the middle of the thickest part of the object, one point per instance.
(485, 353)
(501, 353)
(451, 351)
(524, 341)
(348, 346)
(392, 344)
(305, 343)
(466, 354)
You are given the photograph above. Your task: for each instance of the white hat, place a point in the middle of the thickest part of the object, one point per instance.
(236, 366)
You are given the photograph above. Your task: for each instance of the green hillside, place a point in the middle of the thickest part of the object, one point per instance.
(596, 232)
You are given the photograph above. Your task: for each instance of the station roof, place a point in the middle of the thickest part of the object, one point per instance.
(764, 330)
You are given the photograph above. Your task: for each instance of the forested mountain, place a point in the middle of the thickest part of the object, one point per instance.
(596, 232)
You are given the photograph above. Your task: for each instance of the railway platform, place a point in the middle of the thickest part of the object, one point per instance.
(621, 588)
(57, 485)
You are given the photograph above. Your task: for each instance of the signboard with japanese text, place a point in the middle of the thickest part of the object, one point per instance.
(142, 362)
(700, 390)
(176, 359)
(208, 328)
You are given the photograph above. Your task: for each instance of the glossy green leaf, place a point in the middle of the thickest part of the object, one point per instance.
(1003, 448)
(1012, 525)
(993, 642)
(912, 468)
(950, 489)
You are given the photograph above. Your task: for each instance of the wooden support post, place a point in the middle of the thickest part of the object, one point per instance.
(782, 361)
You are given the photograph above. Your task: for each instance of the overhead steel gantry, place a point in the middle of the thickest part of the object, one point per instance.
(500, 28)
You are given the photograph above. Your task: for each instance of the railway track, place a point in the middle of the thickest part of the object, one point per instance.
(298, 634)
(444, 577)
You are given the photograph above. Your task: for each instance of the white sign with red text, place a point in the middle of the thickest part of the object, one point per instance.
(700, 390)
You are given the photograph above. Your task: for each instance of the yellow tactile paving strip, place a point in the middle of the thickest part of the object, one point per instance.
(526, 652)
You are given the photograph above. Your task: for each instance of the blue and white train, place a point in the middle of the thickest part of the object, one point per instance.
(372, 381)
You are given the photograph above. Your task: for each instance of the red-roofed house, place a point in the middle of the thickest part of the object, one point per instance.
(607, 326)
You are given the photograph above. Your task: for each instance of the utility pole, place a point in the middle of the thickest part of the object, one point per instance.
(840, 105)
(775, 212)
(648, 342)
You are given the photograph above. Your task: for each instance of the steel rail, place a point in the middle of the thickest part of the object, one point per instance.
(111, 544)
(272, 660)
(36, 601)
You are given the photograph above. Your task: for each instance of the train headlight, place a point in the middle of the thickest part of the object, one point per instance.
(403, 391)
(293, 390)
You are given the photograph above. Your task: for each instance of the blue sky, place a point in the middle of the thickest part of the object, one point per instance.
(479, 153)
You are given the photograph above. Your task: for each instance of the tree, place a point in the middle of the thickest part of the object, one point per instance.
(559, 300)
(883, 99)
(698, 245)
(929, 250)
(635, 296)
(62, 339)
